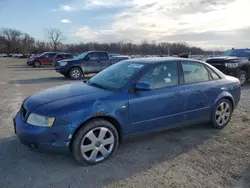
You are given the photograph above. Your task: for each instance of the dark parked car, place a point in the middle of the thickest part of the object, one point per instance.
(62, 56)
(45, 58)
(86, 63)
(130, 97)
(235, 62)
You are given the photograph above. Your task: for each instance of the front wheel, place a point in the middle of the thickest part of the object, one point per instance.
(222, 113)
(243, 77)
(95, 142)
(75, 73)
(37, 64)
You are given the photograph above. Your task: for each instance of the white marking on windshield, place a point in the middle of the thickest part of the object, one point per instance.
(136, 66)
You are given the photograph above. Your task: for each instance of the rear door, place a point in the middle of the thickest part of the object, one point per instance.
(104, 60)
(201, 90)
(91, 64)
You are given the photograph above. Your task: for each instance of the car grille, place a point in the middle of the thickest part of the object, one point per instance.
(219, 64)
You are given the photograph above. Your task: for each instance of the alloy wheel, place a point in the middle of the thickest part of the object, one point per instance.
(242, 78)
(222, 113)
(76, 73)
(97, 144)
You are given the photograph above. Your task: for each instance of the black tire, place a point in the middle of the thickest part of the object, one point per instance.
(37, 64)
(66, 75)
(81, 136)
(215, 116)
(75, 73)
(243, 77)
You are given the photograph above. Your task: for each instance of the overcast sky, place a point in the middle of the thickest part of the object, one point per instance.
(206, 23)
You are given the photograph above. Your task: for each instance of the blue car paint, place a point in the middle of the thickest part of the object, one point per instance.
(136, 112)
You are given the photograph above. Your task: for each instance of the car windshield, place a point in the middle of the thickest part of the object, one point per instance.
(82, 56)
(237, 53)
(116, 76)
(42, 54)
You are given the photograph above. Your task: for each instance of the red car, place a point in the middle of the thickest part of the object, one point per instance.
(45, 58)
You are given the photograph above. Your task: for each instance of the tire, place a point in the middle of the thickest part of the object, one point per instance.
(97, 151)
(75, 73)
(37, 64)
(66, 75)
(243, 77)
(222, 113)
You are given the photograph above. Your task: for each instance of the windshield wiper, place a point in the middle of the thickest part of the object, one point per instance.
(97, 85)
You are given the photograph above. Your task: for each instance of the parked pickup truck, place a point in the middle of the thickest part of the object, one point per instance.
(235, 62)
(86, 63)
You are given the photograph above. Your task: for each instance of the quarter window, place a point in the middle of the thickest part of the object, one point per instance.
(194, 72)
(164, 75)
(213, 74)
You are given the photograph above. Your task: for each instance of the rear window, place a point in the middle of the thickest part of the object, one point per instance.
(103, 56)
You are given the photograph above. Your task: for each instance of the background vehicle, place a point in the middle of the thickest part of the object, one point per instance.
(45, 58)
(86, 63)
(62, 56)
(130, 97)
(235, 62)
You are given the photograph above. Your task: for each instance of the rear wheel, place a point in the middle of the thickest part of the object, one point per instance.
(75, 73)
(222, 113)
(37, 64)
(243, 77)
(95, 142)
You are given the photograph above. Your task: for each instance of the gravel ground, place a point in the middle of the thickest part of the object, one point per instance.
(196, 156)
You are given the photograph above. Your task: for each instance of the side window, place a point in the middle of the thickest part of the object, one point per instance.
(68, 57)
(103, 56)
(213, 74)
(94, 56)
(194, 72)
(164, 75)
(59, 57)
(50, 55)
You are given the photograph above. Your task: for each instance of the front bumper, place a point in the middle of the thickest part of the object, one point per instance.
(61, 70)
(228, 71)
(44, 139)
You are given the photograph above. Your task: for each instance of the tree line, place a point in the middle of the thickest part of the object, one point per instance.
(15, 41)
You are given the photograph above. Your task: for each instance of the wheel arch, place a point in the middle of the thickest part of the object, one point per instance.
(75, 66)
(110, 119)
(226, 95)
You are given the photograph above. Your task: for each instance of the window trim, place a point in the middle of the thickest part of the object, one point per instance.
(210, 70)
(187, 61)
(154, 66)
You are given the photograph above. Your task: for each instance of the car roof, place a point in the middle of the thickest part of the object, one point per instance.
(155, 60)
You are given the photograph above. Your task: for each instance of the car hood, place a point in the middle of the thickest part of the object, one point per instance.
(226, 58)
(59, 93)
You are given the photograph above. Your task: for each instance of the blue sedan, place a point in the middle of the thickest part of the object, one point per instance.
(133, 96)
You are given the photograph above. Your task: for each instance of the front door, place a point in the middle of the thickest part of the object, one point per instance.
(91, 64)
(160, 107)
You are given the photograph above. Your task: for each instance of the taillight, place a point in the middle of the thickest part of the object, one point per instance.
(239, 83)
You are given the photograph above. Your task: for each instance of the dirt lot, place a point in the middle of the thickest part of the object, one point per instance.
(197, 156)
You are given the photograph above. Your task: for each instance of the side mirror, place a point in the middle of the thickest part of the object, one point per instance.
(140, 86)
(86, 58)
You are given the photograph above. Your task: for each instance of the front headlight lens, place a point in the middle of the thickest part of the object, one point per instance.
(63, 63)
(232, 65)
(42, 121)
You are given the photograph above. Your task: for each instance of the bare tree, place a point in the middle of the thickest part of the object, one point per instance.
(10, 38)
(54, 37)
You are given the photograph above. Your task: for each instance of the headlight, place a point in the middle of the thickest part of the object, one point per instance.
(63, 63)
(232, 65)
(38, 120)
